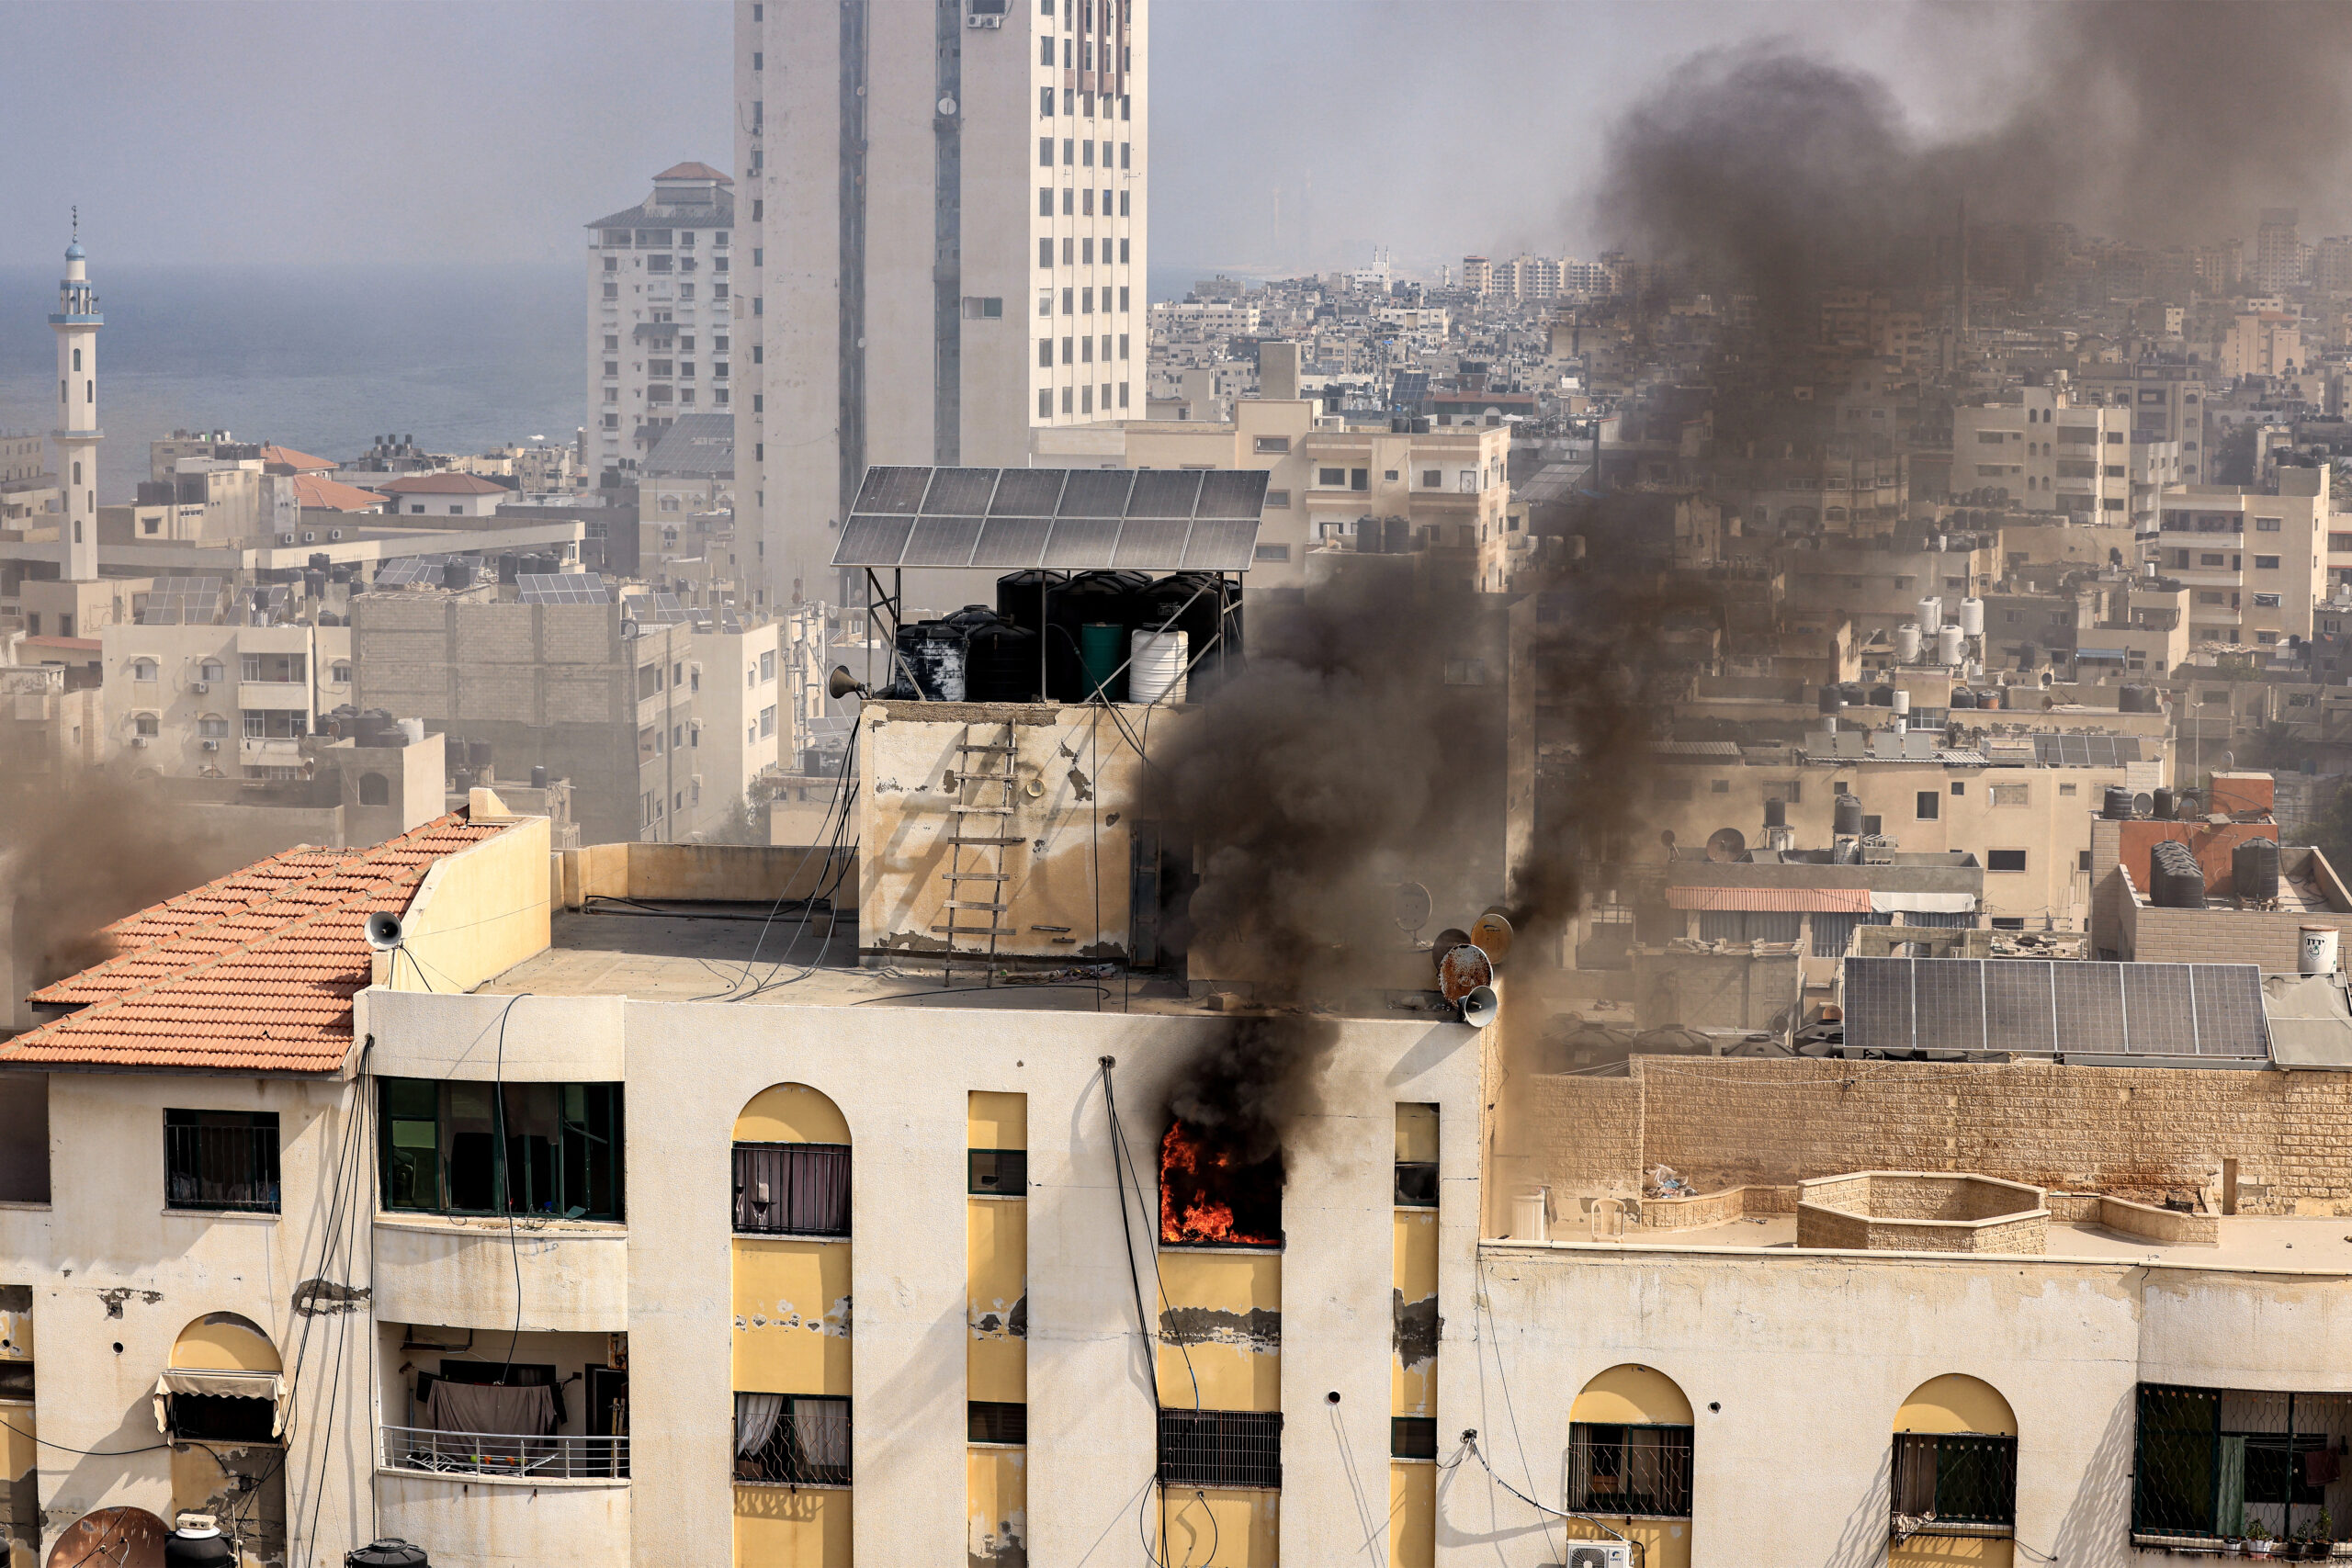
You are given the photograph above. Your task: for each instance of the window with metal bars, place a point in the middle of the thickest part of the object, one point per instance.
(1622, 1470)
(792, 1189)
(995, 1421)
(998, 1173)
(1221, 1448)
(1956, 1478)
(2216, 1461)
(1412, 1437)
(221, 1160)
(792, 1440)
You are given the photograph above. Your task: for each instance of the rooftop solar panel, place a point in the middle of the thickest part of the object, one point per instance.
(1878, 1004)
(1148, 543)
(1079, 543)
(871, 540)
(1027, 492)
(1221, 544)
(1097, 492)
(892, 489)
(1948, 1006)
(2041, 1007)
(1011, 542)
(959, 493)
(1236, 493)
(2019, 1009)
(2091, 1007)
(2159, 1010)
(563, 587)
(2230, 1020)
(1164, 492)
(942, 541)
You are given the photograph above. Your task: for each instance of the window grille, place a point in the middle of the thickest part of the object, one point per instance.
(1221, 1448)
(792, 1440)
(792, 1189)
(1412, 1437)
(1956, 1478)
(1623, 1470)
(992, 1421)
(221, 1159)
(1002, 1173)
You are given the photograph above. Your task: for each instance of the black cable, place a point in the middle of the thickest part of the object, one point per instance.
(845, 793)
(506, 1199)
(976, 990)
(86, 1453)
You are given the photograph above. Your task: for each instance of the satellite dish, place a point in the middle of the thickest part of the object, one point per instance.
(1411, 907)
(1492, 934)
(383, 930)
(2143, 804)
(1725, 845)
(1462, 970)
(1478, 1008)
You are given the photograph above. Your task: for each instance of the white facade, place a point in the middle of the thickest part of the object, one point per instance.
(2049, 453)
(2254, 564)
(77, 325)
(660, 299)
(743, 718)
(220, 701)
(999, 287)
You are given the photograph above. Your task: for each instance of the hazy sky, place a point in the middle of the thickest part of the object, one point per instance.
(1286, 134)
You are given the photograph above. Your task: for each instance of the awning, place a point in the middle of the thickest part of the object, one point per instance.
(1924, 903)
(221, 1384)
(2114, 655)
(1802, 900)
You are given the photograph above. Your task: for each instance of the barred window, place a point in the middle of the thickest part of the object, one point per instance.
(992, 1421)
(1963, 1478)
(792, 1440)
(792, 1189)
(1221, 1448)
(1623, 1470)
(220, 1159)
(1412, 1437)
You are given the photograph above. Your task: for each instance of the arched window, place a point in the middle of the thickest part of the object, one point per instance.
(375, 790)
(792, 1169)
(211, 670)
(224, 1383)
(145, 724)
(340, 673)
(212, 726)
(1955, 1466)
(1629, 1457)
(791, 1275)
(142, 668)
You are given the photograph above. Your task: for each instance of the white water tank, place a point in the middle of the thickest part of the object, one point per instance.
(1155, 666)
(1906, 643)
(1931, 615)
(2319, 944)
(1950, 644)
(1530, 1215)
(413, 731)
(1972, 617)
(1902, 701)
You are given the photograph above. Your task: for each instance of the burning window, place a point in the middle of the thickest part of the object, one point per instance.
(1213, 1195)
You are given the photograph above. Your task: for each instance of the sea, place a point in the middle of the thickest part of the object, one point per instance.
(321, 360)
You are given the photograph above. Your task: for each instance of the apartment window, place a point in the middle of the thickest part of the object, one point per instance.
(1045, 403)
(1069, 302)
(1069, 346)
(224, 1161)
(1123, 354)
(1070, 251)
(1965, 1478)
(2065, 789)
(2004, 860)
(1069, 153)
(1046, 253)
(1617, 1469)
(792, 1440)
(1412, 1437)
(1266, 445)
(1123, 394)
(1359, 479)
(756, 208)
(2012, 795)
(1276, 553)
(759, 61)
(792, 1189)
(1124, 148)
(1221, 1448)
(2266, 563)
(997, 1173)
(1276, 500)
(2267, 601)
(995, 1422)
(1465, 673)
(1045, 202)
(1086, 398)
(455, 1147)
(1123, 211)
(1045, 95)
(1123, 290)
(2210, 558)
(767, 722)
(1087, 154)
(2265, 525)
(1086, 349)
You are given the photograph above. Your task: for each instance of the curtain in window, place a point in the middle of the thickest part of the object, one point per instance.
(1914, 1475)
(792, 1189)
(821, 1430)
(755, 1419)
(2229, 1488)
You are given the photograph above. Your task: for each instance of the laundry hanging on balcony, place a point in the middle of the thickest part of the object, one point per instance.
(490, 1409)
(209, 1383)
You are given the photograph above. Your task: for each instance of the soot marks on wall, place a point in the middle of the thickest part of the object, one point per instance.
(1416, 1329)
(316, 1297)
(1257, 1329)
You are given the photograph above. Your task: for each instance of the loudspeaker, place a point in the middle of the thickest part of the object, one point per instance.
(383, 930)
(840, 683)
(1478, 1008)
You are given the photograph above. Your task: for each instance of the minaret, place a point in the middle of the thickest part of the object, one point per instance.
(76, 323)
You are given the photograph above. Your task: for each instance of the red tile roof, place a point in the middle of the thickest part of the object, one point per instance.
(277, 457)
(442, 484)
(252, 972)
(692, 172)
(320, 493)
(71, 643)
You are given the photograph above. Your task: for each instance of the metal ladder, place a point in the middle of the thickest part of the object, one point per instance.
(979, 828)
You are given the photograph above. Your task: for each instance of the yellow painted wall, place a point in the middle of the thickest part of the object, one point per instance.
(17, 1453)
(1416, 1134)
(997, 1240)
(1412, 1513)
(223, 1341)
(1236, 1370)
(999, 1122)
(478, 912)
(1665, 1544)
(1954, 1402)
(792, 1320)
(996, 1485)
(1219, 1527)
(1938, 1550)
(791, 1113)
(1413, 1389)
(1632, 1395)
(784, 1527)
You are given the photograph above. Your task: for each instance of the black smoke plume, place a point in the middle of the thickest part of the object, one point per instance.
(79, 852)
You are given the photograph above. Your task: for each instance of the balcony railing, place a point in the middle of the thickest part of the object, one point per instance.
(512, 1456)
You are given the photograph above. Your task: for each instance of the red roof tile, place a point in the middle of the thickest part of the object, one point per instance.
(319, 493)
(286, 457)
(253, 972)
(442, 484)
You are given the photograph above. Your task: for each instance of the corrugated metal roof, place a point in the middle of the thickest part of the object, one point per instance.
(252, 972)
(1726, 750)
(1820, 900)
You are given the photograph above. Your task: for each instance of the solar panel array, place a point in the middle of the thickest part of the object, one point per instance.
(2086, 750)
(402, 571)
(182, 600)
(657, 605)
(2042, 1006)
(1061, 519)
(563, 587)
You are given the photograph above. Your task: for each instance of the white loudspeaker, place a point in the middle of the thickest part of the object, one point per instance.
(383, 930)
(1479, 1007)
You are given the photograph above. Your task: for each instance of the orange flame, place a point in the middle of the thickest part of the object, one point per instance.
(1190, 1209)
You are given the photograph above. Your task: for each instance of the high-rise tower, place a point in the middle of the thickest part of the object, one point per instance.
(76, 323)
(946, 219)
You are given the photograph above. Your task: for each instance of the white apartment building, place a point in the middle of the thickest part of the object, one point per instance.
(2253, 563)
(2168, 403)
(223, 701)
(948, 210)
(2049, 453)
(660, 313)
(2261, 342)
(745, 720)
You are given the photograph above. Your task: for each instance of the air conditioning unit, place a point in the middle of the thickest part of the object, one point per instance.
(334, 533)
(1600, 1555)
(212, 745)
(285, 538)
(139, 740)
(199, 687)
(310, 538)
(985, 14)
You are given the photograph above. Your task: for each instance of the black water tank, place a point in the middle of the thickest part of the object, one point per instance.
(2165, 804)
(2117, 804)
(1000, 663)
(1852, 694)
(1827, 697)
(1187, 602)
(1090, 598)
(478, 754)
(1399, 536)
(2253, 870)
(1371, 537)
(1962, 697)
(1776, 814)
(1846, 816)
(538, 775)
(185, 1549)
(2174, 879)
(1020, 597)
(1881, 697)
(388, 1553)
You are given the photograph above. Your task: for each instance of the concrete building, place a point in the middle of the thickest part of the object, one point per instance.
(1000, 288)
(2051, 453)
(2278, 252)
(444, 495)
(660, 313)
(2254, 564)
(2168, 403)
(27, 489)
(216, 699)
(747, 726)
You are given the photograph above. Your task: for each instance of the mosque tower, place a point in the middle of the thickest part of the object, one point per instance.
(77, 325)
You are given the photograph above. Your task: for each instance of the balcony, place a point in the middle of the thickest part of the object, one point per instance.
(461, 1491)
(270, 751)
(508, 1457)
(278, 696)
